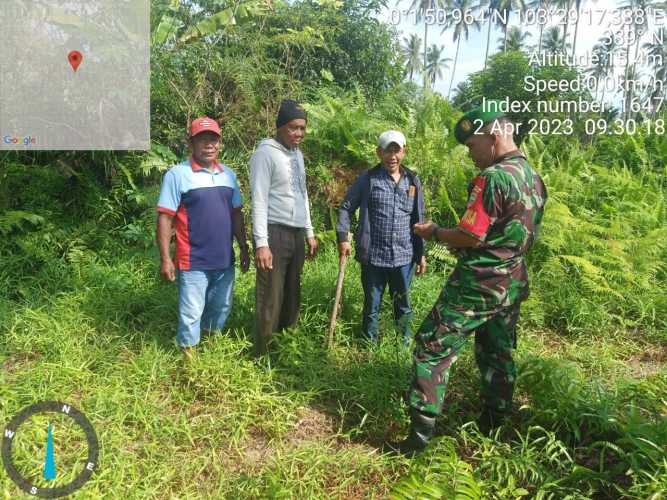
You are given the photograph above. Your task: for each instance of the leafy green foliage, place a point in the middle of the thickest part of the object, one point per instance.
(622, 432)
(17, 220)
(343, 130)
(79, 288)
(448, 476)
(603, 242)
(353, 46)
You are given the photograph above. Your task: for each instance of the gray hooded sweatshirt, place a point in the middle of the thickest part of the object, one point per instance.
(278, 190)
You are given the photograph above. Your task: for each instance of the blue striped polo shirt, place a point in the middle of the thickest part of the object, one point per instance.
(201, 200)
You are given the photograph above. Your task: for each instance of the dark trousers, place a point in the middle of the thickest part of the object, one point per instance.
(374, 280)
(278, 291)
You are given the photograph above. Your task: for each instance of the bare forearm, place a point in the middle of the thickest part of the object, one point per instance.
(165, 226)
(238, 226)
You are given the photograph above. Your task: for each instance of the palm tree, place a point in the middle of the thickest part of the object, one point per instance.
(540, 5)
(503, 9)
(598, 71)
(490, 10)
(554, 43)
(421, 7)
(516, 39)
(436, 63)
(411, 50)
(462, 27)
(604, 65)
(567, 5)
(577, 6)
(657, 49)
(639, 28)
(506, 7)
(628, 81)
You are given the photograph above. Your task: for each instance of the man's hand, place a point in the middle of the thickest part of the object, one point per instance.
(167, 269)
(245, 259)
(344, 249)
(263, 259)
(425, 229)
(421, 267)
(312, 248)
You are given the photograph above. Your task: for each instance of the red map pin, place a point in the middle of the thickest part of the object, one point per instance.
(75, 58)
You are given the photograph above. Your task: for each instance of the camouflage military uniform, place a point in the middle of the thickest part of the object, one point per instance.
(485, 290)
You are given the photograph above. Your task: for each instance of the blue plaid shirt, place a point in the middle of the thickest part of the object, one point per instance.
(390, 207)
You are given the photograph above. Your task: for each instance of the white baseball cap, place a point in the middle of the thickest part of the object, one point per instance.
(386, 138)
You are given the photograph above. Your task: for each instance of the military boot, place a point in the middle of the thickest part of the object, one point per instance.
(490, 420)
(422, 428)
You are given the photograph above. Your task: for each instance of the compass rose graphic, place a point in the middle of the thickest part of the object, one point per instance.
(23, 426)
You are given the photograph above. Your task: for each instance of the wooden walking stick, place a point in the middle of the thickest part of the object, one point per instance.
(339, 292)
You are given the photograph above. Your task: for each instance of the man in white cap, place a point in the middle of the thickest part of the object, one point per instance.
(390, 201)
(200, 199)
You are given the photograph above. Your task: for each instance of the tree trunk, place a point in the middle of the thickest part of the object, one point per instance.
(567, 24)
(539, 43)
(507, 25)
(634, 69)
(628, 91)
(610, 70)
(456, 58)
(425, 50)
(576, 29)
(488, 41)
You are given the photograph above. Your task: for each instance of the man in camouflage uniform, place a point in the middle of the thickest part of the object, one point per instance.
(490, 280)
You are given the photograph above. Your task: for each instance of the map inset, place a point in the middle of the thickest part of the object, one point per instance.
(74, 74)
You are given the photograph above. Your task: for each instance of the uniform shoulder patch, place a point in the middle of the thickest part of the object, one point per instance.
(476, 220)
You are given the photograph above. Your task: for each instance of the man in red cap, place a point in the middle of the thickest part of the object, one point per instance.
(200, 198)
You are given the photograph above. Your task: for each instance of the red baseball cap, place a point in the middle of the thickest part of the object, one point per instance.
(204, 124)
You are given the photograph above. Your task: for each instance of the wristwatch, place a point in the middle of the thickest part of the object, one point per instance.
(433, 233)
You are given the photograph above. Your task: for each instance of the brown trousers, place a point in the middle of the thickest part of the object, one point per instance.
(278, 291)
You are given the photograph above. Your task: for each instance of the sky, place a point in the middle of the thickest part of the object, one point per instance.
(472, 51)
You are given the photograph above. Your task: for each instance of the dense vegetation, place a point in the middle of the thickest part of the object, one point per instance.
(85, 319)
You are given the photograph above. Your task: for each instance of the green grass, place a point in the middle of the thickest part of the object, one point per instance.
(307, 422)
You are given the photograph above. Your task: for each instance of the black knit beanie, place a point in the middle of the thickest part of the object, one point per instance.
(289, 110)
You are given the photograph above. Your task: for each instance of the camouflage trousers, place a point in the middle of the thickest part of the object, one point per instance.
(440, 339)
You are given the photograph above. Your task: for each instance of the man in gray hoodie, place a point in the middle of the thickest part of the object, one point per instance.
(281, 221)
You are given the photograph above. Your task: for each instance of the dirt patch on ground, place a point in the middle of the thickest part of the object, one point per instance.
(257, 451)
(649, 362)
(313, 425)
(361, 490)
(19, 361)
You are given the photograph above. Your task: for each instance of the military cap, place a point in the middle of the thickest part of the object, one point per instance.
(469, 122)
